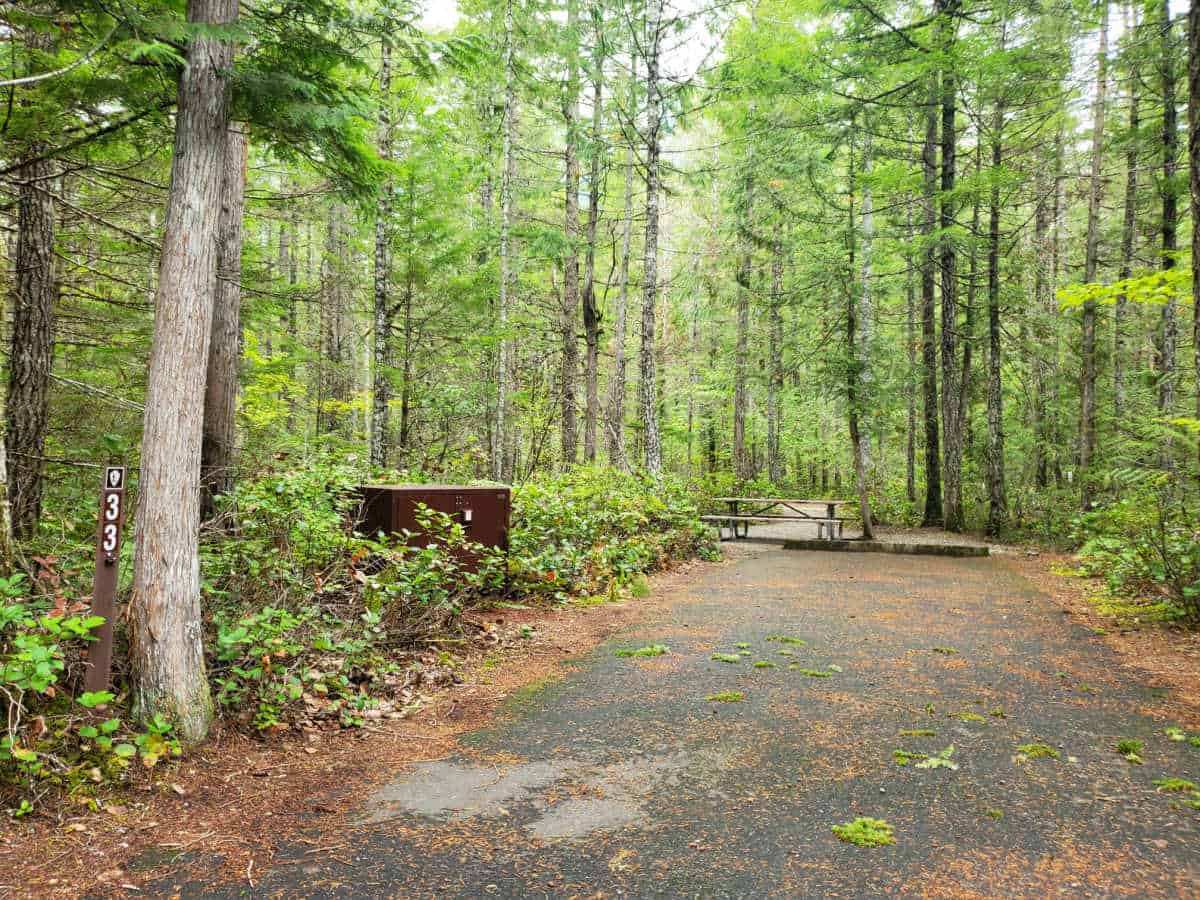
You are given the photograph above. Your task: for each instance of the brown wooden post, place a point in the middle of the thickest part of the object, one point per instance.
(104, 581)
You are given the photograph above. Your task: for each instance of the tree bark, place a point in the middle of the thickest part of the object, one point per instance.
(382, 301)
(570, 294)
(1169, 328)
(501, 464)
(166, 650)
(647, 384)
(31, 354)
(1087, 385)
(741, 362)
(775, 363)
(218, 447)
(1128, 232)
(591, 314)
(929, 389)
(952, 430)
(616, 388)
(997, 495)
(35, 289)
(1043, 297)
(910, 343)
(1193, 114)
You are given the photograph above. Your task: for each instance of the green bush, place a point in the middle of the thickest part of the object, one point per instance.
(1147, 544)
(574, 532)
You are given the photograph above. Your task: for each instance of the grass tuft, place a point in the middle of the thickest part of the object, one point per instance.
(648, 650)
(866, 832)
(726, 697)
(1037, 751)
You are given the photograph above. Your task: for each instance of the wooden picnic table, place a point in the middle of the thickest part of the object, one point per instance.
(742, 511)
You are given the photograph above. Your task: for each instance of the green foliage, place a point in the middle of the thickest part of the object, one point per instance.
(1131, 750)
(940, 760)
(1174, 785)
(726, 657)
(576, 531)
(1037, 751)
(1145, 546)
(648, 650)
(866, 832)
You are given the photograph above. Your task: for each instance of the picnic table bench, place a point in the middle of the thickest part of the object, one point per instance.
(742, 511)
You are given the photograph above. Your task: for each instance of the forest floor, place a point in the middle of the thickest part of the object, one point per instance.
(566, 770)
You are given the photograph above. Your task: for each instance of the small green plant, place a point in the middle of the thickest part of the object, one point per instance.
(1195, 742)
(866, 832)
(526, 632)
(1131, 750)
(904, 757)
(726, 657)
(1174, 785)
(969, 717)
(940, 760)
(785, 639)
(917, 732)
(815, 673)
(833, 667)
(947, 651)
(1037, 751)
(1175, 733)
(639, 588)
(648, 650)
(998, 713)
(764, 664)
(994, 813)
(726, 697)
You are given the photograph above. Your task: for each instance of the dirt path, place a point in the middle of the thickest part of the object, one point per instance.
(623, 780)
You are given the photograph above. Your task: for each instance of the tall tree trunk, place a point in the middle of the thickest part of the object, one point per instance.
(1169, 333)
(741, 362)
(952, 431)
(217, 449)
(997, 495)
(647, 384)
(775, 363)
(166, 649)
(865, 315)
(1193, 114)
(35, 289)
(1128, 232)
(910, 343)
(409, 323)
(501, 469)
(570, 294)
(1042, 294)
(1087, 385)
(382, 330)
(929, 385)
(31, 353)
(616, 388)
(858, 311)
(591, 314)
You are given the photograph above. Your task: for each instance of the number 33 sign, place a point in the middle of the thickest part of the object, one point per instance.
(112, 511)
(104, 581)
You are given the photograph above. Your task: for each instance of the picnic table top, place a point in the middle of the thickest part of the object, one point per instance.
(779, 500)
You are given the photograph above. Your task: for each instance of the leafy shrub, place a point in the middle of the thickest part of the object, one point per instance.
(1146, 544)
(574, 532)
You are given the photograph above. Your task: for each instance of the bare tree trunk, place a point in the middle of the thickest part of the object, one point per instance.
(1042, 293)
(857, 306)
(166, 650)
(591, 314)
(1169, 333)
(570, 294)
(929, 389)
(775, 363)
(31, 353)
(1193, 114)
(409, 324)
(1087, 385)
(997, 495)
(741, 462)
(616, 388)
(217, 450)
(865, 314)
(910, 343)
(35, 290)
(1128, 233)
(500, 468)
(952, 426)
(647, 385)
(382, 330)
